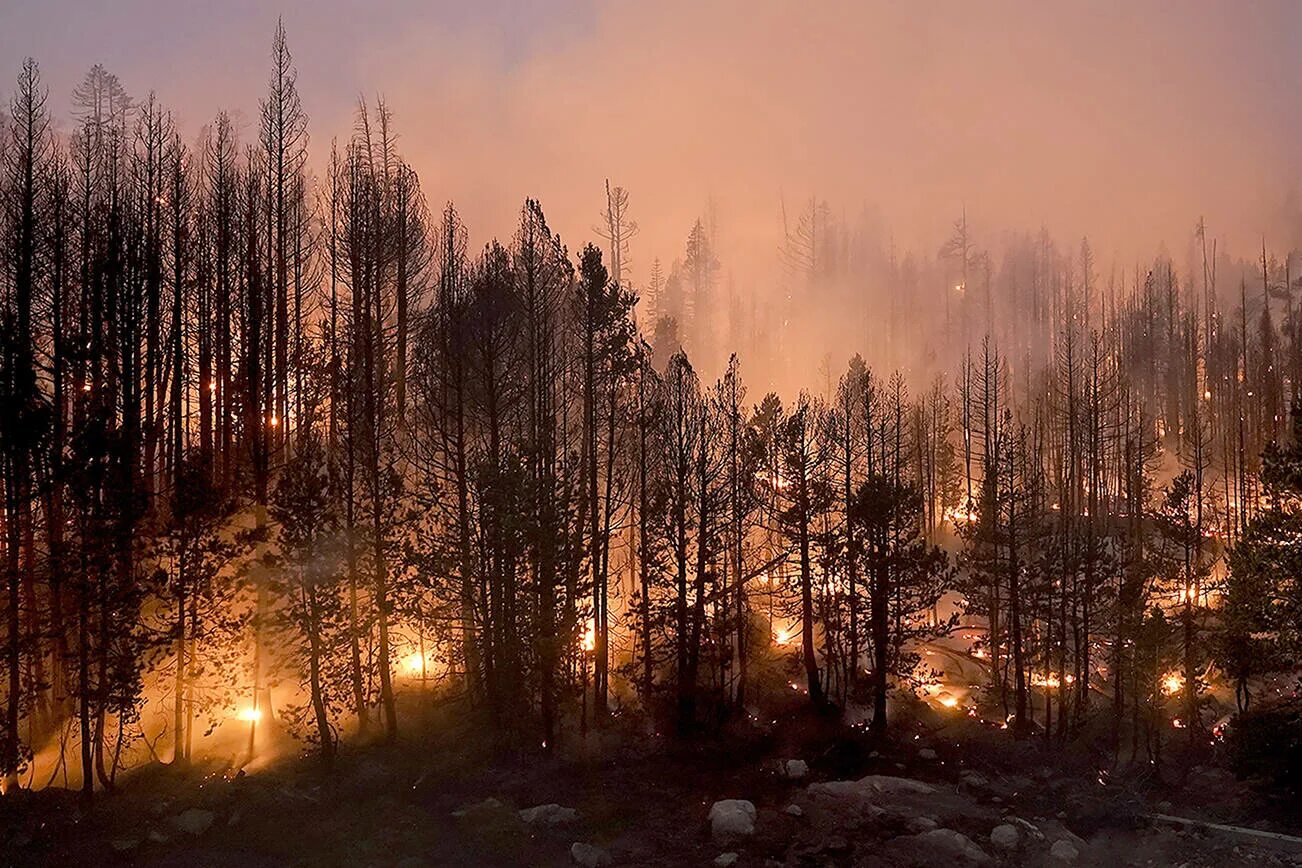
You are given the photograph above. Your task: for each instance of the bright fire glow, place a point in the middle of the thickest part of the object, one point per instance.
(782, 637)
(1172, 682)
(414, 663)
(590, 637)
(961, 516)
(949, 701)
(250, 715)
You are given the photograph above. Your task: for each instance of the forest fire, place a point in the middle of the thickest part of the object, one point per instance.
(667, 518)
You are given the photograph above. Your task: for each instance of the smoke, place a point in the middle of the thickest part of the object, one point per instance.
(1120, 121)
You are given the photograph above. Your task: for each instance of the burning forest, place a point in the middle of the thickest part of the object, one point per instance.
(339, 529)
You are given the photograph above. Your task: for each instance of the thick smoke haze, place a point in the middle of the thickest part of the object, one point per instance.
(1119, 121)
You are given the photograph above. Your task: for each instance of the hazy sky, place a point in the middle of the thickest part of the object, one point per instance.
(1123, 120)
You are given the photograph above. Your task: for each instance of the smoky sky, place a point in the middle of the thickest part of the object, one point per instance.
(1123, 121)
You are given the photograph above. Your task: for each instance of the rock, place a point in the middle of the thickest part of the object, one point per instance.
(549, 815)
(193, 821)
(588, 855)
(158, 836)
(918, 825)
(839, 789)
(124, 844)
(489, 816)
(942, 847)
(1064, 851)
(927, 754)
(731, 820)
(974, 780)
(794, 811)
(1005, 836)
(835, 845)
(1029, 827)
(724, 860)
(893, 785)
(795, 769)
(488, 804)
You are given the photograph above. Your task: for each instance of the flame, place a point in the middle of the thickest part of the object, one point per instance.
(949, 701)
(782, 637)
(589, 641)
(1172, 683)
(961, 516)
(249, 715)
(414, 663)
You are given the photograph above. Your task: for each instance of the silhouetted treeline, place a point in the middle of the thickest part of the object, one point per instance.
(264, 429)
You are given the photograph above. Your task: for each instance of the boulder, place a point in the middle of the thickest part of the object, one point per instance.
(795, 769)
(193, 821)
(794, 811)
(489, 816)
(839, 789)
(549, 815)
(927, 754)
(1028, 827)
(725, 860)
(1064, 851)
(890, 785)
(1005, 836)
(732, 820)
(918, 825)
(488, 805)
(588, 855)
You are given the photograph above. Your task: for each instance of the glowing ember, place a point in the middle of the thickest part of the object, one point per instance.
(1172, 683)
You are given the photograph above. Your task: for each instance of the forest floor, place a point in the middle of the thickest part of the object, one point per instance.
(643, 800)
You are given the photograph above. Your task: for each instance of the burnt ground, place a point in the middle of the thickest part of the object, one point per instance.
(645, 800)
